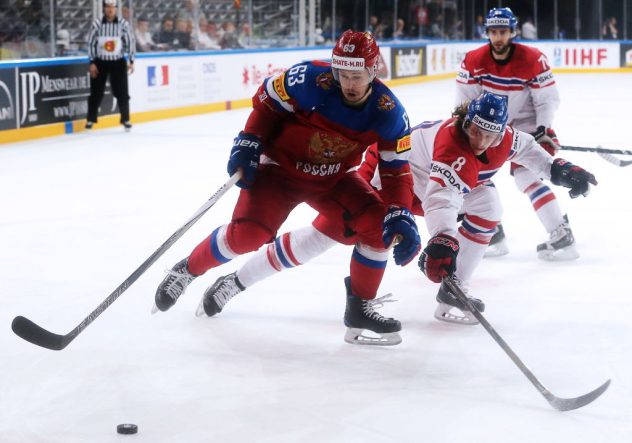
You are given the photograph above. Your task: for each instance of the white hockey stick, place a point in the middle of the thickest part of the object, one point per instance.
(614, 160)
(561, 404)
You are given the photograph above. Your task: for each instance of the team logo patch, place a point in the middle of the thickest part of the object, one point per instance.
(487, 125)
(109, 45)
(279, 87)
(403, 144)
(325, 80)
(497, 21)
(385, 102)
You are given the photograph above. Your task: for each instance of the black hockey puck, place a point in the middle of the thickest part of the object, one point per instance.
(127, 428)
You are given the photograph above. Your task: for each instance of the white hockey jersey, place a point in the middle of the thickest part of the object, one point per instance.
(525, 78)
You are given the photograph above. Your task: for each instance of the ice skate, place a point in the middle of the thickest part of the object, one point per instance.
(89, 125)
(561, 245)
(216, 296)
(127, 126)
(361, 317)
(173, 286)
(451, 310)
(497, 245)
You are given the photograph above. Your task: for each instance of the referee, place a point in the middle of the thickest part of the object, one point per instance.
(110, 39)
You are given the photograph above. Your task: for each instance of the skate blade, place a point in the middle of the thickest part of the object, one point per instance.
(564, 254)
(154, 309)
(200, 312)
(443, 313)
(356, 336)
(497, 250)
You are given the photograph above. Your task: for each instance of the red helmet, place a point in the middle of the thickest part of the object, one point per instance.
(356, 51)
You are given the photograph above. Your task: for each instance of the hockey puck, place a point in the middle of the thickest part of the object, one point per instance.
(127, 428)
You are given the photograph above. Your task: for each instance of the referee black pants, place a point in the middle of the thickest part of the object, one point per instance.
(117, 71)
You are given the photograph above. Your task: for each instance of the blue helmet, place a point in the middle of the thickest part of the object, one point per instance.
(488, 111)
(501, 18)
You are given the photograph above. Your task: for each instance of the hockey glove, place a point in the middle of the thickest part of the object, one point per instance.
(547, 138)
(399, 225)
(439, 257)
(245, 156)
(566, 174)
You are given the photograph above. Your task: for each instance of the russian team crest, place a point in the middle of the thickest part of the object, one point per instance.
(325, 80)
(386, 103)
(327, 148)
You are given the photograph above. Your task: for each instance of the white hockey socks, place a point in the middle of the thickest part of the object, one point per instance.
(287, 251)
(542, 198)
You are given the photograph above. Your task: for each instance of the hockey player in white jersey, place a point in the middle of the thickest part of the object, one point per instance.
(522, 74)
(452, 168)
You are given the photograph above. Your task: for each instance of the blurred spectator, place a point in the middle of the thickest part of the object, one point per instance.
(207, 38)
(189, 12)
(245, 36)
(229, 39)
(372, 24)
(182, 35)
(529, 32)
(423, 19)
(144, 41)
(435, 28)
(479, 29)
(609, 29)
(456, 30)
(62, 43)
(125, 14)
(399, 31)
(166, 36)
(214, 32)
(319, 39)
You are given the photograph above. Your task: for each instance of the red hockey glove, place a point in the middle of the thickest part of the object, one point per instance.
(439, 257)
(566, 174)
(547, 138)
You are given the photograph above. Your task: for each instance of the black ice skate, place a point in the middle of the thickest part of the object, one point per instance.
(216, 296)
(497, 245)
(561, 245)
(173, 286)
(127, 126)
(360, 316)
(449, 301)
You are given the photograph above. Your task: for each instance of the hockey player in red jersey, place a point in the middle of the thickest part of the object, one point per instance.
(452, 162)
(309, 125)
(522, 74)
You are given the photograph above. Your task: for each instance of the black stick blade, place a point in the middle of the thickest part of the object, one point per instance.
(568, 404)
(29, 331)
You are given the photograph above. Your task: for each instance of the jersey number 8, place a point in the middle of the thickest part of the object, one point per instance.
(458, 164)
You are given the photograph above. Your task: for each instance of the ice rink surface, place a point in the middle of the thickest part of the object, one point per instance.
(79, 213)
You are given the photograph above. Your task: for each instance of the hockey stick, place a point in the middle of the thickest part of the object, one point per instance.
(561, 404)
(39, 336)
(614, 160)
(597, 149)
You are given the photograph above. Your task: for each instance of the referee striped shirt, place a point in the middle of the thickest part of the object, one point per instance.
(111, 40)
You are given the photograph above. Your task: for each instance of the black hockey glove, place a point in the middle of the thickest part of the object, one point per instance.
(566, 174)
(245, 156)
(439, 257)
(399, 224)
(547, 138)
